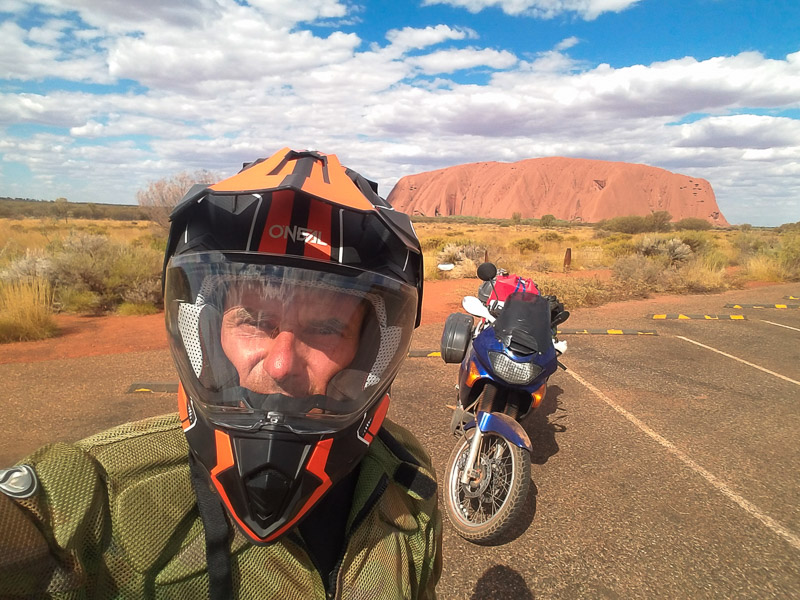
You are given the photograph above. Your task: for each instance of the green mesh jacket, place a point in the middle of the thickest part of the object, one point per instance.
(115, 517)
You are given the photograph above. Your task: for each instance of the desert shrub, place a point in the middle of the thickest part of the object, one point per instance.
(692, 224)
(75, 300)
(714, 258)
(616, 248)
(451, 253)
(698, 276)
(432, 243)
(762, 267)
(658, 221)
(552, 236)
(789, 255)
(698, 241)
(631, 224)
(576, 293)
(93, 271)
(654, 222)
(673, 250)
(26, 310)
(95, 229)
(749, 242)
(636, 275)
(35, 264)
(786, 227)
(526, 245)
(153, 241)
(130, 309)
(650, 246)
(676, 251)
(547, 220)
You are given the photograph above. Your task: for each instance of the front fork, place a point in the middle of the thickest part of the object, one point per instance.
(470, 473)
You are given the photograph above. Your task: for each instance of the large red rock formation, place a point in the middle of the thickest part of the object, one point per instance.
(572, 189)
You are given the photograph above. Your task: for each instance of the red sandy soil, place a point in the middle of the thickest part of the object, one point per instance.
(96, 336)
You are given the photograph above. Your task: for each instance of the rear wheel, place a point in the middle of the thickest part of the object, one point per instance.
(483, 509)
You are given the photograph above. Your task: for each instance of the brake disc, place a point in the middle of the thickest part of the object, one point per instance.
(476, 487)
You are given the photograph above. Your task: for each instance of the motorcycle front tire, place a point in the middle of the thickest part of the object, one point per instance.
(487, 516)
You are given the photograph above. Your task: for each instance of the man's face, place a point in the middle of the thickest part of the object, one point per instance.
(290, 345)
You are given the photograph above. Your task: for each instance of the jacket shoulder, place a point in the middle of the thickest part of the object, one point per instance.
(407, 462)
(130, 484)
(139, 449)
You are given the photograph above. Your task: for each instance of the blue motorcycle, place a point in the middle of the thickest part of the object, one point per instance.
(506, 360)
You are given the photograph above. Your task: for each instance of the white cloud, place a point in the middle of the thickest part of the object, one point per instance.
(417, 38)
(545, 9)
(455, 59)
(754, 132)
(567, 43)
(235, 83)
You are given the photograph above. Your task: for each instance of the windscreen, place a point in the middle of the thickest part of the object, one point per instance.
(524, 323)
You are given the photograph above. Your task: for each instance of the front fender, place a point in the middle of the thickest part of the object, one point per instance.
(502, 425)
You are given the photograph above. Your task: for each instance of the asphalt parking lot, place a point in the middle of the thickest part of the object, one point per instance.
(664, 466)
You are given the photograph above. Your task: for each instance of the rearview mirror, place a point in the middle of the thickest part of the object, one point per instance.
(487, 271)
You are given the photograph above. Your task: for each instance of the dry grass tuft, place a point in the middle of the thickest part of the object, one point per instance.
(26, 310)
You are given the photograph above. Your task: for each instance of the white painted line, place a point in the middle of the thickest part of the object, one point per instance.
(720, 485)
(741, 360)
(779, 325)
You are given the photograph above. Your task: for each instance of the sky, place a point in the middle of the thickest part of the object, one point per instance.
(99, 98)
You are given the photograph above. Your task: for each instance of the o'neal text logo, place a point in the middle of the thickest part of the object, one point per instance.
(303, 234)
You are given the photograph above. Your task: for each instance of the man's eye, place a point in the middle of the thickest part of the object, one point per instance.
(245, 318)
(327, 328)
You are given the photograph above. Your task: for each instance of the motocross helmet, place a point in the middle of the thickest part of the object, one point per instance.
(291, 291)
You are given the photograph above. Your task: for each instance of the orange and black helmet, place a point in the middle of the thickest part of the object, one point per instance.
(291, 291)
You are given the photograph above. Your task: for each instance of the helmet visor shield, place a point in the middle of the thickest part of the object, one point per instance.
(284, 345)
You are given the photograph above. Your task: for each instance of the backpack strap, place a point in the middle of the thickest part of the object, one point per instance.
(217, 533)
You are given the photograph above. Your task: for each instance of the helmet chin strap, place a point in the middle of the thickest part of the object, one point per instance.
(217, 534)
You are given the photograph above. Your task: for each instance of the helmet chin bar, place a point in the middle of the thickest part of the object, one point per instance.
(269, 480)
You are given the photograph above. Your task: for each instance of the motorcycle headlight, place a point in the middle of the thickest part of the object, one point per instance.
(511, 371)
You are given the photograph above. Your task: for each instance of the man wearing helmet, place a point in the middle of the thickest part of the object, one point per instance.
(291, 291)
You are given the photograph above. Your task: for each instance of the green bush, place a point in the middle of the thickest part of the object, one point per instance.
(631, 224)
(74, 300)
(547, 221)
(692, 224)
(658, 221)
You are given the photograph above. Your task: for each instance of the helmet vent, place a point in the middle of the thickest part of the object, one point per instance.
(267, 490)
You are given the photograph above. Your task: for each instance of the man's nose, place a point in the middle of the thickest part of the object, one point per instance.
(282, 358)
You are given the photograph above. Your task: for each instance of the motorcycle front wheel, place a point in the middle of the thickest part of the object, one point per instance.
(483, 509)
